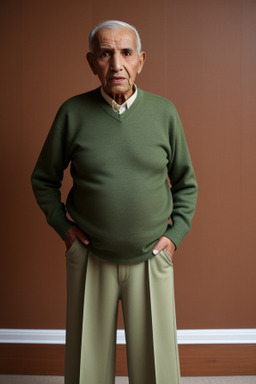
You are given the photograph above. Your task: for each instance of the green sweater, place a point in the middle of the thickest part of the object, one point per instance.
(119, 164)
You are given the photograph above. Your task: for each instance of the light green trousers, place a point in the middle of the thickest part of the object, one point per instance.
(94, 287)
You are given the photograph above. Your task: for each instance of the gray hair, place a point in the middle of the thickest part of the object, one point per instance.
(113, 24)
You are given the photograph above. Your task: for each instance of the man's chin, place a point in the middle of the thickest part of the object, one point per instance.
(119, 90)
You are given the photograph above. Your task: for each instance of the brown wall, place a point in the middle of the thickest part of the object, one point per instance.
(201, 54)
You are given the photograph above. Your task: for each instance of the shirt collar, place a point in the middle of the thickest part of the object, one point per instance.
(117, 107)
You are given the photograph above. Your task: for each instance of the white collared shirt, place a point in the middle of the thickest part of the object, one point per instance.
(117, 107)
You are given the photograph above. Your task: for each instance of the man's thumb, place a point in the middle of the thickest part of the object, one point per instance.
(83, 238)
(159, 245)
(158, 248)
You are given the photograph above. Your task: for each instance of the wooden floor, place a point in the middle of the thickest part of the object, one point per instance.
(10, 379)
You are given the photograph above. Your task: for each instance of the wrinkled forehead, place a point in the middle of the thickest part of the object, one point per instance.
(115, 38)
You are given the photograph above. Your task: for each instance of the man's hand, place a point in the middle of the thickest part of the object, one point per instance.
(167, 245)
(73, 233)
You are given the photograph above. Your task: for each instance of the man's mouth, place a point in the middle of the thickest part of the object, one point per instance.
(116, 80)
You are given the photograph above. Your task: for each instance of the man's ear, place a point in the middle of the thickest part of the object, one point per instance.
(90, 59)
(142, 59)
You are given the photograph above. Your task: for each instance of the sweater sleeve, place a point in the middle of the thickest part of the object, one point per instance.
(183, 183)
(48, 174)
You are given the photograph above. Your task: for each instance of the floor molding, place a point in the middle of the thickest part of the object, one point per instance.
(185, 336)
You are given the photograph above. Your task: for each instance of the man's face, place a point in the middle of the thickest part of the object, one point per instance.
(116, 61)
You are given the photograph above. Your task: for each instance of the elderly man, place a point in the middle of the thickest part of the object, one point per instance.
(125, 146)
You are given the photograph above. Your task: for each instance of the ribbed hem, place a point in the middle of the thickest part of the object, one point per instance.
(119, 260)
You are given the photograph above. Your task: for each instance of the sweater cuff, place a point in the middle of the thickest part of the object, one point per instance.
(62, 226)
(175, 233)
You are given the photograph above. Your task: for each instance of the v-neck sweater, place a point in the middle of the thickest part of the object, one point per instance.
(119, 163)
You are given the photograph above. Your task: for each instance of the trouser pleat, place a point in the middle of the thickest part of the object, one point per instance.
(98, 345)
(76, 264)
(163, 320)
(136, 307)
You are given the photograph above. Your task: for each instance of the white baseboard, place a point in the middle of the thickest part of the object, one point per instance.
(185, 336)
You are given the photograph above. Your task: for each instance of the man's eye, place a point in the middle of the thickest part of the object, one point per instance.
(104, 54)
(127, 53)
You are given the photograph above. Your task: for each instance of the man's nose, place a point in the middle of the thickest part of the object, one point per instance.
(116, 62)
